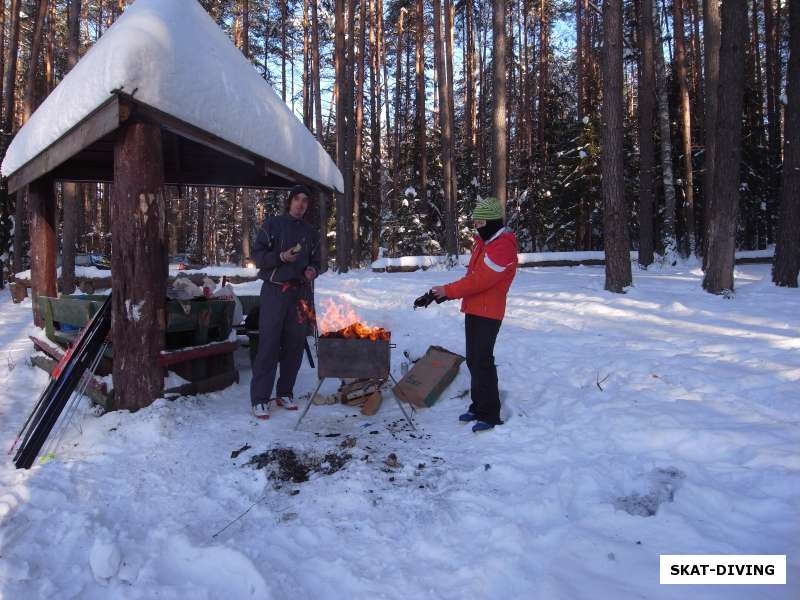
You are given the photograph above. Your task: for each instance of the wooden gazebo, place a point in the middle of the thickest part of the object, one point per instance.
(163, 98)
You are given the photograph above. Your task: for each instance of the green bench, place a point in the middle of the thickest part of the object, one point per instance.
(197, 344)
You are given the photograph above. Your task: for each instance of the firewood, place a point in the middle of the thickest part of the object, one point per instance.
(372, 404)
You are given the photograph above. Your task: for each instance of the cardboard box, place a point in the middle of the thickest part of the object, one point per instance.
(429, 377)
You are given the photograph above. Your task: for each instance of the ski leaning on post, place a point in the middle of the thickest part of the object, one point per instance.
(66, 377)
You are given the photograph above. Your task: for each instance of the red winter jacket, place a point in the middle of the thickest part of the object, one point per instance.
(491, 270)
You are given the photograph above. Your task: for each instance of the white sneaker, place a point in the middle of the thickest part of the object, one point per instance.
(261, 410)
(286, 402)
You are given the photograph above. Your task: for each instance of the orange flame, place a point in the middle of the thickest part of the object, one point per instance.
(305, 312)
(343, 322)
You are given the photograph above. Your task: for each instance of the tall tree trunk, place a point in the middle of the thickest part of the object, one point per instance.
(444, 108)
(322, 197)
(787, 247)
(382, 62)
(50, 51)
(2, 80)
(284, 18)
(615, 214)
(69, 196)
(722, 234)
(544, 80)
(670, 245)
(74, 33)
(9, 89)
(139, 266)
(697, 71)
(33, 61)
(247, 219)
(449, 43)
(441, 27)
(398, 78)
(583, 226)
(246, 28)
(375, 124)
(771, 37)
(200, 244)
(359, 132)
(342, 214)
(500, 153)
(308, 116)
(711, 43)
(686, 128)
(469, 85)
(646, 146)
(422, 164)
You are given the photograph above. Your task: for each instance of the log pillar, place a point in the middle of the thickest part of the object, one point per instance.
(138, 265)
(42, 214)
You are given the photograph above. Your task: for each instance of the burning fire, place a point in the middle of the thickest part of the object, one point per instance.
(343, 322)
(305, 312)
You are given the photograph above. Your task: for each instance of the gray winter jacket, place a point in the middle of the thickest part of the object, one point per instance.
(277, 235)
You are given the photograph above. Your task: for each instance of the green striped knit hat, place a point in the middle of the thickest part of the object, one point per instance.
(488, 209)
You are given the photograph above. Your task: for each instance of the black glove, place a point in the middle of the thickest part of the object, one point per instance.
(425, 300)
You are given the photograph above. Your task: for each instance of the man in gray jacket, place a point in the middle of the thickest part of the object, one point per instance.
(286, 253)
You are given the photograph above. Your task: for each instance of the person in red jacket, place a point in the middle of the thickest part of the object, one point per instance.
(491, 270)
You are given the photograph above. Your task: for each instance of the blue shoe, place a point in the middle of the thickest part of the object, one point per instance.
(481, 426)
(467, 417)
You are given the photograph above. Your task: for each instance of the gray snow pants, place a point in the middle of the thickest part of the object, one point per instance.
(281, 339)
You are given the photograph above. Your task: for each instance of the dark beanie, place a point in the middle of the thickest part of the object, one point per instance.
(299, 189)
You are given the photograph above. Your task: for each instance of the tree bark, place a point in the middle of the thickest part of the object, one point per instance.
(9, 89)
(686, 128)
(284, 18)
(448, 34)
(544, 81)
(422, 164)
(711, 43)
(375, 129)
(469, 84)
(44, 242)
(440, 58)
(722, 234)
(322, 197)
(308, 116)
(771, 35)
(646, 146)
(33, 61)
(200, 243)
(138, 266)
(398, 78)
(247, 220)
(787, 247)
(500, 153)
(358, 162)
(670, 245)
(342, 213)
(615, 214)
(69, 196)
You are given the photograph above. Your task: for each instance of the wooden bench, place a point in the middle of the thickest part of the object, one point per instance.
(197, 344)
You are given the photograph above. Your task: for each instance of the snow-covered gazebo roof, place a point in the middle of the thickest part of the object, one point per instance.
(167, 62)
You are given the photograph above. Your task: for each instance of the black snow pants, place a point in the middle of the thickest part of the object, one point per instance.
(481, 334)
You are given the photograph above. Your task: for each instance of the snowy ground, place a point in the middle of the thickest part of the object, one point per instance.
(697, 422)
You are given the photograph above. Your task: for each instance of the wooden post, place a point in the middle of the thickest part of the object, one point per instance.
(138, 265)
(42, 207)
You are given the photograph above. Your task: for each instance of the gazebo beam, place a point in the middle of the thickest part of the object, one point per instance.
(42, 214)
(101, 122)
(138, 265)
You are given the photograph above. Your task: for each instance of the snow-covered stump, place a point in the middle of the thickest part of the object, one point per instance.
(42, 211)
(138, 265)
